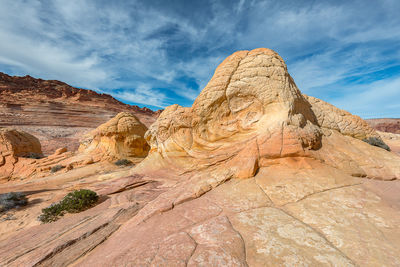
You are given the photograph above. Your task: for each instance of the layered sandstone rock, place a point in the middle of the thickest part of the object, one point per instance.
(304, 202)
(120, 137)
(252, 112)
(56, 113)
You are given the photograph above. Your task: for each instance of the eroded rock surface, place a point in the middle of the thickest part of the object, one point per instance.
(251, 112)
(19, 143)
(120, 137)
(253, 174)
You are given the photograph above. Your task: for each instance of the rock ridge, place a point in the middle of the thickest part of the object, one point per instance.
(53, 89)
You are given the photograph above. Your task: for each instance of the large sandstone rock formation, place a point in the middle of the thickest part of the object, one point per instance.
(252, 112)
(305, 200)
(120, 137)
(58, 114)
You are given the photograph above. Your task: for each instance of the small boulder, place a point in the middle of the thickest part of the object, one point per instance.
(18, 143)
(16, 149)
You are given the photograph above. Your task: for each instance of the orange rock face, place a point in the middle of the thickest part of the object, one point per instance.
(56, 113)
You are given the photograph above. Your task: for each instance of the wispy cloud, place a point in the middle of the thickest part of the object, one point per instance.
(157, 53)
(373, 100)
(143, 94)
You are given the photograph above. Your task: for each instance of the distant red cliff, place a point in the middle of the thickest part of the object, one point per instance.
(57, 113)
(385, 125)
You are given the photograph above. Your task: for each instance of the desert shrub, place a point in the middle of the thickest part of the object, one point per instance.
(33, 155)
(12, 200)
(56, 168)
(51, 213)
(376, 141)
(123, 162)
(79, 200)
(74, 202)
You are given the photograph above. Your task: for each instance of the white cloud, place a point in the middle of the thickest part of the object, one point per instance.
(375, 100)
(145, 95)
(46, 61)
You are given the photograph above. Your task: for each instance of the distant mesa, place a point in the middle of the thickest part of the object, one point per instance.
(53, 89)
(385, 125)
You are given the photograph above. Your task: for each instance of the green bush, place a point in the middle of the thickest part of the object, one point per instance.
(56, 168)
(123, 162)
(74, 202)
(376, 141)
(52, 213)
(12, 200)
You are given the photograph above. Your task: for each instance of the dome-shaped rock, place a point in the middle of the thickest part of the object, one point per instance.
(122, 136)
(250, 112)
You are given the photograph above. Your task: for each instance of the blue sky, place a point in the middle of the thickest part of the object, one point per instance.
(156, 53)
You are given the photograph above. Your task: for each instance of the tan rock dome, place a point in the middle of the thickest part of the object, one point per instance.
(251, 112)
(120, 137)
